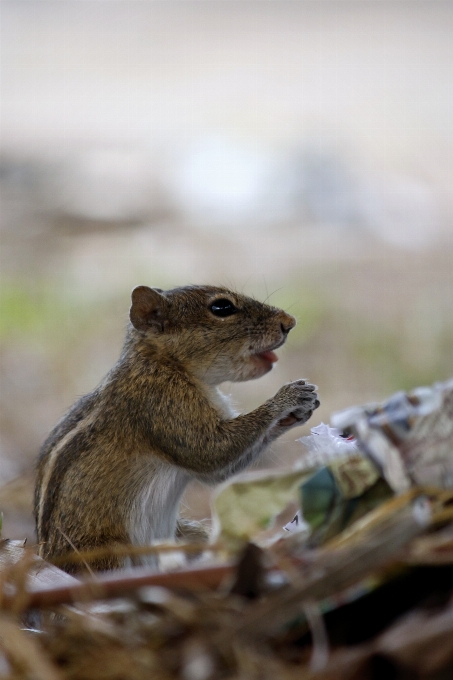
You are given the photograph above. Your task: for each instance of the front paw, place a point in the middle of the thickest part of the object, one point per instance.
(308, 402)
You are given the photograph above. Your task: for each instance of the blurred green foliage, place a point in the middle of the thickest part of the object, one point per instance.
(25, 310)
(386, 351)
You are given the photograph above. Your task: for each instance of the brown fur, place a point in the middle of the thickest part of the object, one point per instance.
(113, 470)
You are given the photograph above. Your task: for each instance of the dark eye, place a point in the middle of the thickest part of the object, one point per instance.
(223, 307)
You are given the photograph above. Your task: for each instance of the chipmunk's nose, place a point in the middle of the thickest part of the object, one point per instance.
(287, 323)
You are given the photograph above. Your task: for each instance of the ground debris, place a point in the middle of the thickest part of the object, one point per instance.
(371, 597)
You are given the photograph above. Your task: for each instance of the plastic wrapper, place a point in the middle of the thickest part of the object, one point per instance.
(248, 505)
(344, 486)
(331, 495)
(405, 442)
(325, 444)
(409, 437)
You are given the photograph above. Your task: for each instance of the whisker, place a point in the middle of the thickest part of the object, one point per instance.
(265, 287)
(273, 293)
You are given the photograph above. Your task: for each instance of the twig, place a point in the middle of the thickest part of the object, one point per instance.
(77, 552)
(133, 550)
(121, 582)
(320, 640)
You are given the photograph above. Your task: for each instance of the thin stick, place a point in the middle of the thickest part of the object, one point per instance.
(77, 552)
(118, 583)
(320, 640)
(132, 550)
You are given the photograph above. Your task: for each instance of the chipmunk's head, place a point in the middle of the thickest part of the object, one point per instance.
(215, 333)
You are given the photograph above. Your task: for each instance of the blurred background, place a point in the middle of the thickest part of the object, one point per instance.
(301, 151)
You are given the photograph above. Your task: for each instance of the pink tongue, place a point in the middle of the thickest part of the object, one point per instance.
(269, 356)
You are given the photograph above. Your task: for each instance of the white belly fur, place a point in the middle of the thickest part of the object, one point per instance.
(154, 510)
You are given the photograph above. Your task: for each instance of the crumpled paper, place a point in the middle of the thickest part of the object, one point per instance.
(409, 437)
(405, 442)
(344, 486)
(244, 507)
(324, 444)
(333, 483)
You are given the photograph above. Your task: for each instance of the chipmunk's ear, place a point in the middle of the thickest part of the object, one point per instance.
(148, 309)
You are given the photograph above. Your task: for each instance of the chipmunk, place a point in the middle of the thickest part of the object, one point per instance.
(115, 467)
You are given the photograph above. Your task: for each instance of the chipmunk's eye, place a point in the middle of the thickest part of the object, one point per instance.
(222, 307)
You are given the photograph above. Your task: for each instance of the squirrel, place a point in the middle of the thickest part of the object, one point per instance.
(114, 468)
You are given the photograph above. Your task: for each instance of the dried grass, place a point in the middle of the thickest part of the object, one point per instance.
(242, 627)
